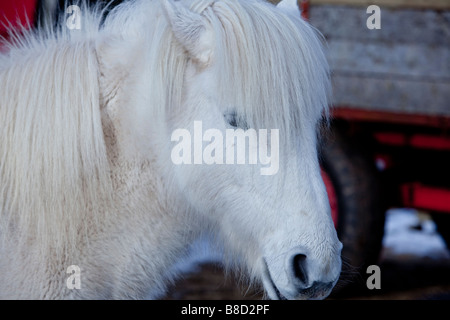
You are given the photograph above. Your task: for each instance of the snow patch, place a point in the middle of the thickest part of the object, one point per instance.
(406, 233)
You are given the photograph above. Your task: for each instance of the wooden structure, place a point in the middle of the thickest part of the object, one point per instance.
(402, 67)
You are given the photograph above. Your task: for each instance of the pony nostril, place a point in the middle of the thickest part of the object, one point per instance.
(299, 267)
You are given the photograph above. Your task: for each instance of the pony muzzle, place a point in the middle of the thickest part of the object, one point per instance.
(298, 281)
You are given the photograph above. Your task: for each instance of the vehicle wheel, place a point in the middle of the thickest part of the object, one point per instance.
(357, 211)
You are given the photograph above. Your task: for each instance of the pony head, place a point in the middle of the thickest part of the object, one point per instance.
(255, 69)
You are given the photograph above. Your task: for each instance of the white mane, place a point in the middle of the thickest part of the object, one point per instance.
(54, 173)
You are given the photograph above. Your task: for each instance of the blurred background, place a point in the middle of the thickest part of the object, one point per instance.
(385, 158)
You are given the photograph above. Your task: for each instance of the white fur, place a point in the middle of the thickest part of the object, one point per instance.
(289, 6)
(85, 173)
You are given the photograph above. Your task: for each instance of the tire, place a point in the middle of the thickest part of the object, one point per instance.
(360, 213)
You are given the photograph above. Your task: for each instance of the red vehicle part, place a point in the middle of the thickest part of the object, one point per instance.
(304, 8)
(414, 195)
(332, 196)
(420, 141)
(360, 115)
(417, 195)
(16, 13)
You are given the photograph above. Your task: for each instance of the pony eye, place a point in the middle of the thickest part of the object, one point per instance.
(234, 121)
(231, 118)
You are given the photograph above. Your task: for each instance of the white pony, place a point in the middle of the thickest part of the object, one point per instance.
(91, 205)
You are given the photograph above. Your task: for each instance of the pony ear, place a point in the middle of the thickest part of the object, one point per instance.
(191, 30)
(289, 6)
